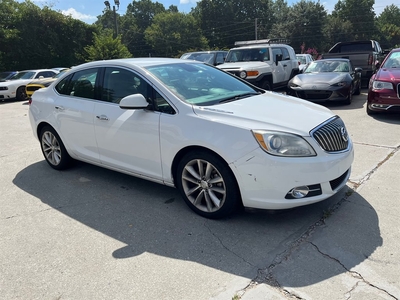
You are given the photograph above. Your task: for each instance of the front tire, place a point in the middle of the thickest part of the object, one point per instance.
(349, 96)
(266, 85)
(358, 89)
(21, 94)
(53, 149)
(207, 185)
(370, 112)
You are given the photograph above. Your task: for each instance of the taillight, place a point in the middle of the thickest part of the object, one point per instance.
(370, 59)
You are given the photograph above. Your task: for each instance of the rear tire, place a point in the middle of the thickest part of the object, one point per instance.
(53, 149)
(207, 185)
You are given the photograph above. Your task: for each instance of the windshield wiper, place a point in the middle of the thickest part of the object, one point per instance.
(238, 97)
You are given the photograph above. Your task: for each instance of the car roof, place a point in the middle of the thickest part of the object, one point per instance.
(334, 59)
(38, 70)
(210, 51)
(142, 62)
(255, 46)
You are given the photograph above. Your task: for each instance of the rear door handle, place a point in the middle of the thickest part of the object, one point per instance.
(59, 107)
(102, 117)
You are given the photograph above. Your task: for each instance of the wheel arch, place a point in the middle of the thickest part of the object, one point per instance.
(181, 153)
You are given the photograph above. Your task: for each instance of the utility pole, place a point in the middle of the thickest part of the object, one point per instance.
(256, 28)
(108, 7)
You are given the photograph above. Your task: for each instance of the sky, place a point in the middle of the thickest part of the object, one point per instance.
(88, 10)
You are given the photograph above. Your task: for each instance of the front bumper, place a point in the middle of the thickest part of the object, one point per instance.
(316, 94)
(265, 180)
(384, 100)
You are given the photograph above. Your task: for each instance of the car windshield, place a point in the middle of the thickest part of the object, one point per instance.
(319, 66)
(301, 59)
(393, 61)
(204, 57)
(201, 84)
(23, 75)
(253, 54)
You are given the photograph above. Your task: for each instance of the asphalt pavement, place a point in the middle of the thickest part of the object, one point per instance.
(91, 233)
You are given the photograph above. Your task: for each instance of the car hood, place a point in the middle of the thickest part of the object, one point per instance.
(311, 79)
(270, 111)
(16, 82)
(42, 81)
(392, 74)
(242, 65)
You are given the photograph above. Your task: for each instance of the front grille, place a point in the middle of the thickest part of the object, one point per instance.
(335, 183)
(332, 136)
(236, 73)
(314, 95)
(32, 88)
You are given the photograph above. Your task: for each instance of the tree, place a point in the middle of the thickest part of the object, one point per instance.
(388, 24)
(360, 14)
(305, 22)
(106, 47)
(138, 17)
(173, 33)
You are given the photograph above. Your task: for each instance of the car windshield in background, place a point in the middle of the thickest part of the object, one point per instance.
(254, 54)
(204, 57)
(393, 61)
(201, 84)
(23, 75)
(327, 66)
(302, 59)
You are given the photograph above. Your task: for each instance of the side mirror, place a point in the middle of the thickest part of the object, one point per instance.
(278, 58)
(358, 70)
(135, 101)
(377, 64)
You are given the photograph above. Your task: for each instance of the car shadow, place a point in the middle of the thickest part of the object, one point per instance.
(148, 217)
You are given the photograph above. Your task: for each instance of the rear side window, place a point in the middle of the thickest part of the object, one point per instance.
(79, 84)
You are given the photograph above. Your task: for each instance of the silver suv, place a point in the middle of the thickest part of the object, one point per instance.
(268, 64)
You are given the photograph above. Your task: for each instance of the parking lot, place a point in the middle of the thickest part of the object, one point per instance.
(91, 233)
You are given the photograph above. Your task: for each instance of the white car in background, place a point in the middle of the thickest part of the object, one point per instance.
(221, 141)
(304, 60)
(14, 88)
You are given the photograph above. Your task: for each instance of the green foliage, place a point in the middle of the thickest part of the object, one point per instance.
(388, 24)
(171, 33)
(106, 47)
(39, 37)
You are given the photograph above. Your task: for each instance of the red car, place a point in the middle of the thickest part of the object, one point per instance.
(384, 86)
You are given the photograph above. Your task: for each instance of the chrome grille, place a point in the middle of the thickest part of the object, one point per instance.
(332, 136)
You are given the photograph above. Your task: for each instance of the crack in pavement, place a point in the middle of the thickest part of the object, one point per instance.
(266, 276)
(353, 273)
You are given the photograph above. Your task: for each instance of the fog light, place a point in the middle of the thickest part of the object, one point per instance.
(299, 192)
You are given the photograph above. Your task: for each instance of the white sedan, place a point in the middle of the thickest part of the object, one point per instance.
(222, 142)
(304, 60)
(14, 88)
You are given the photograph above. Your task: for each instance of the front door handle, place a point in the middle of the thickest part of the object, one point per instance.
(60, 108)
(102, 117)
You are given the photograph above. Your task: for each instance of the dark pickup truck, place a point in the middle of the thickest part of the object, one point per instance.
(363, 54)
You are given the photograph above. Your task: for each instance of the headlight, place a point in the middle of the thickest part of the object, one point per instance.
(283, 144)
(293, 85)
(243, 74)
(342, 83)
(381, 85)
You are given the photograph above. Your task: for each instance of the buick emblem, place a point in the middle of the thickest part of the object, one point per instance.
(344, 134)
